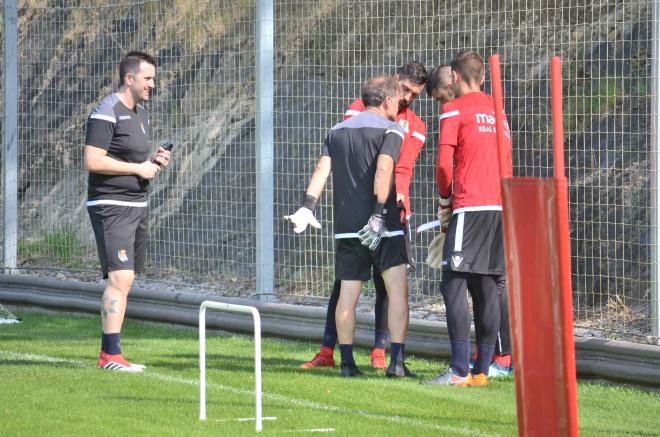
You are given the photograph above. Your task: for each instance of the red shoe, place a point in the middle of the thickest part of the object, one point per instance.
(118, 363)
(378, 358)
(322, 359)
(502, 360)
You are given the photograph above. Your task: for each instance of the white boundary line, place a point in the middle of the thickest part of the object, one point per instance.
(9, 355)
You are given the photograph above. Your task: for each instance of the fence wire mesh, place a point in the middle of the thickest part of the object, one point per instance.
(203, 207)
(2, 131)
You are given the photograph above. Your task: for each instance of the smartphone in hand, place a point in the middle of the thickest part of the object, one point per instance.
(167, 145)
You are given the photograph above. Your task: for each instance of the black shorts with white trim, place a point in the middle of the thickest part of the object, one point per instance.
(353, 261)
(475, 243)
(121, 235)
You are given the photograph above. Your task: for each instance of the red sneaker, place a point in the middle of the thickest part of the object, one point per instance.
(378, 358)
(502, 360)
(322, 359)
(118, 363)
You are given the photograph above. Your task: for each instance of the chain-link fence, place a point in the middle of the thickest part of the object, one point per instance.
(203, 214)
(2, 131)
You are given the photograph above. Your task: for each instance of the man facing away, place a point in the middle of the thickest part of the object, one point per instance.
(471, 210)
(439, 88)
(411, 78)
(362, 152)
(120, 165)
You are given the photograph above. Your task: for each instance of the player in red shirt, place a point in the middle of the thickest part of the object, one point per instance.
(439, 88)
(471, 210)
(411, 77)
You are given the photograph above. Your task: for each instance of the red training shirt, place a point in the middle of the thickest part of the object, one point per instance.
(468, 140)
(413, 141)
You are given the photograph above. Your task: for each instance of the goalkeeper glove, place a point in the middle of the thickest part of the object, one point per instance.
(304, 216)
(434, 256)
(372, 232)
(444, 213)
(403, 214)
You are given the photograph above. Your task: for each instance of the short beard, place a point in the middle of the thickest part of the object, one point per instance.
(137, 96)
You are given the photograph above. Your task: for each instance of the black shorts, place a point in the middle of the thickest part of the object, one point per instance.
(353, 261)
(475, 243)
(121, 236)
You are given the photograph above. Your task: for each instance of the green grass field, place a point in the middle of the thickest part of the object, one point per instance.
(49, 386)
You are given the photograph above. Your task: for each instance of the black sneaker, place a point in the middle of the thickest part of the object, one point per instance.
(349, 370)
(399, 370)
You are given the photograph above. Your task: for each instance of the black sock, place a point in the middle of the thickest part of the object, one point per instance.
(380, 338)
(347, 353)
(460, 356)
(397, 352)
(330, 333)
(484, 357)
(110, 343)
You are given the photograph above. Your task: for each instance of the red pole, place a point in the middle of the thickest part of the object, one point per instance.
(503, 152)
(557, 117)
(515, 320)
(566, 293)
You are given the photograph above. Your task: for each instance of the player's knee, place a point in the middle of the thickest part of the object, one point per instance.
(121, 280)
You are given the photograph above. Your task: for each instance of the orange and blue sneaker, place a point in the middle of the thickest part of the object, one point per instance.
(118, 363)
(496, 370)
(323, 359)
(449, 377)
(500, 367)
(479, 380)
(378, 358)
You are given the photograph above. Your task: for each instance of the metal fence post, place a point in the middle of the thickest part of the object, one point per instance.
(655, 175)
(10, 151)
(265, 137)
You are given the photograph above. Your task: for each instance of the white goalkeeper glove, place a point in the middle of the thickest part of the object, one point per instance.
(304, 216)
(434, 256)
(444, 213)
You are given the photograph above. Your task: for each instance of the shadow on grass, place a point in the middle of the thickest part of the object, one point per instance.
(588, 430)
(178, 400)
(33, 363)
(226, 362)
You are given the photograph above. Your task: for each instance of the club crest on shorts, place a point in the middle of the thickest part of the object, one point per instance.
(456, 261)
(122, 255)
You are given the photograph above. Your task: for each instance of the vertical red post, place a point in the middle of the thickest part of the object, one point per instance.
(563, 234)
(503, 149)
(537, 246)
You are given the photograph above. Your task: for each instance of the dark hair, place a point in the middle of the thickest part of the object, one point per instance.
(434, 81)
(470, 66)
(414, 72)
(131, 64)
(377, 88)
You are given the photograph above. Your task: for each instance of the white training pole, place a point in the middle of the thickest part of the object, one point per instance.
(202, 362)
(202, 353)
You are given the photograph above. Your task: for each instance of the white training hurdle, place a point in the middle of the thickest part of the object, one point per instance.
(202, 353)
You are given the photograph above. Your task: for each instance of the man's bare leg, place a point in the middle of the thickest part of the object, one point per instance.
(113, 302)
(113, 309)
(345, 319)
(396, 283)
